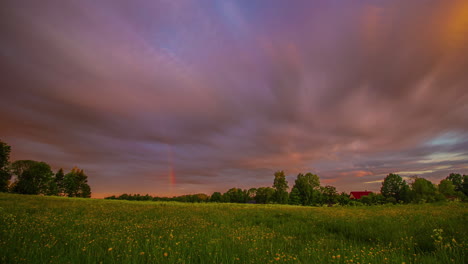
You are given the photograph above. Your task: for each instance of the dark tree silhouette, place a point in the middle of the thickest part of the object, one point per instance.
(5, 174)
(76, 184)
(33, 177)
(281, 188)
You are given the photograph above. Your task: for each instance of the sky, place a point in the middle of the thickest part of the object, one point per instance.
(177, 97)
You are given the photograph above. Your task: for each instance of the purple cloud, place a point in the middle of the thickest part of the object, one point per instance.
(227, 93)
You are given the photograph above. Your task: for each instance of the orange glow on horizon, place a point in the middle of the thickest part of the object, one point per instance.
(455, 28)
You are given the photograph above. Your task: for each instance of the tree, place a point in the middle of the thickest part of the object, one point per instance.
(295, 196)
(235, 195)
(215, 197)
(52, 189)
(85, 191)
(465, 185)
(457, 181)
(59, 176)
(281, 188)
(406, 194)
(392, 186)
(76, 184)
(446, 188)
(343, 198)
(33, 177)
(264, 195)
(251, 193)
(308, 187)
(329, 194)
(5, 174)
(367, 199)
(424, 190)
(374, 199)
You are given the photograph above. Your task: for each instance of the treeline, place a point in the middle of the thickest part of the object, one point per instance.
(36, 177)
(308, 191)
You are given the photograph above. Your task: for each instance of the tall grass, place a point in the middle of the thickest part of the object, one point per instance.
(35, 229)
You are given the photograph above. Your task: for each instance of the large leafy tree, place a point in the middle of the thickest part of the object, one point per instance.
(447, 188)
(235, 195)
(251, 194)
(59, 177)
(295, 196)
(5, 174)
(457, 181)
(329, 194)
(281, 188)
(393, 186)
(264, 195)
(215, 197)
(33, 177)
(465, 185)
(76, 184)
(424, 190)
(308, 186)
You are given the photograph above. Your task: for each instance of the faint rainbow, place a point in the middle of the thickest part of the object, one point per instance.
(172, 176)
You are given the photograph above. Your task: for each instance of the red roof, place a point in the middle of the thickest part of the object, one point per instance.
(358, 195)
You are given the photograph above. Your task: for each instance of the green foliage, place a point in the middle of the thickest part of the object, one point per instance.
(264, 195)
(235, 195)
(281, 188)
(308, 186)
(59, 177)
(393, 186)
(5, 174)
(376, 199)
(446, 188)
(424, 191)
(329, 194)
(343, 198)
(465, 185)
(295, 197)
(251, 194)
(52, 189)
(391, 200)
(215, 197)
(406, 195)
(33, 177)
(457, 181)
(76, 184)
(461, 185)
(36, 229)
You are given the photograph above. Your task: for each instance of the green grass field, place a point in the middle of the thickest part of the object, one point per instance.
(35, 229)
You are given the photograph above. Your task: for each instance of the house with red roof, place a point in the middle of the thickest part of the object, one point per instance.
(358, 195)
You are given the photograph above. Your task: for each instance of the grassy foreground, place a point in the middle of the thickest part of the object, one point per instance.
(36, 229)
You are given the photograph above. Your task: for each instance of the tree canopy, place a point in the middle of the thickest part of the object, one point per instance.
(33, 177)
(393, 186)
(76, 184)
(308, 188)
(281, 188)
(5, 174)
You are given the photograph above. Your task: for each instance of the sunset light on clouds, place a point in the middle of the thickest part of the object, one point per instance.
(178, 97)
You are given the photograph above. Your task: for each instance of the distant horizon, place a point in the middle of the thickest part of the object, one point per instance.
(179, 97)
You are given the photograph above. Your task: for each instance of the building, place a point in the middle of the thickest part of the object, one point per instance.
(358, 195)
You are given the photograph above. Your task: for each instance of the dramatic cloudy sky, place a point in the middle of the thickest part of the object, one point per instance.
(173, 97)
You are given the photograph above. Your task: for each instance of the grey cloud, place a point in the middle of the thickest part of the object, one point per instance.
(112, 87)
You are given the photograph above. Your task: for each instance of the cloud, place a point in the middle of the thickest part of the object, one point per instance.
(352, 92)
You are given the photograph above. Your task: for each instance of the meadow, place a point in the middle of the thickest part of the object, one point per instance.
(38, 229)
